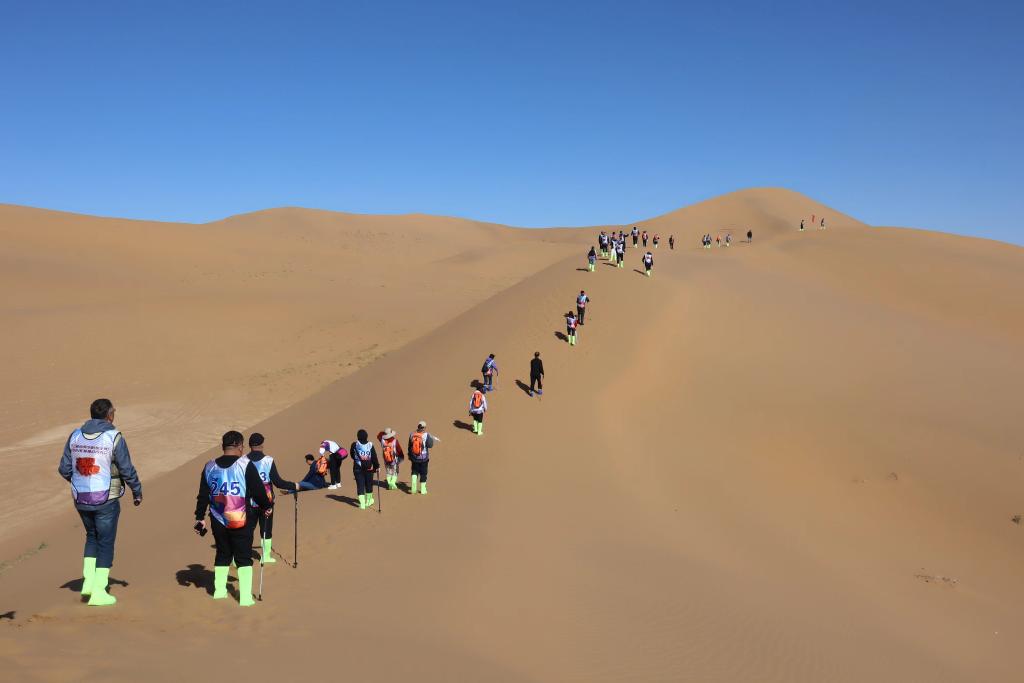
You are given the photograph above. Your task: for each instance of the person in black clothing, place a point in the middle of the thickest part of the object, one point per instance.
(226, 485)
(581, 305)
(537, 374)
(750, 235)
(364, 466)
(267, 468)
(313, 479)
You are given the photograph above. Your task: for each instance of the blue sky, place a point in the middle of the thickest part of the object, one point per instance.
(527, 113)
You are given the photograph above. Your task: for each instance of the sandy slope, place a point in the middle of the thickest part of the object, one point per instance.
(790, 461)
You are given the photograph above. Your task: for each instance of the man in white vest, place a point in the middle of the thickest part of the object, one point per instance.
(97, 464)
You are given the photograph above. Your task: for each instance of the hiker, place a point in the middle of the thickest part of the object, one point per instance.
(671, 242)
(620, 254)
(750, 236)
(537, 374)
(822, 226)
(477, 408)
(602, 242)
(489, 370)
(812, 218)
(648, 263)
(364, 466)
(591, 259)
(728, 239)
(801, 225)
(420, 443)
(581, 305)
(718, 240)
(267, 470)
(316, 477)
(226, 485)
(335, 454)
(98, 465)
(391, 451)
(570, 327)
(635, 233)
(643, 237)
(656, 240)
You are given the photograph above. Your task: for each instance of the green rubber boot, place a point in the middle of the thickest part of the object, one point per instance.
(88, 573)
(393, 482)
(268, 556)
(362, 501)
(370, 500)
(220, 582)
(100, 597)
(480, 428)
(245, 587)
(423, 488)
(413, 482)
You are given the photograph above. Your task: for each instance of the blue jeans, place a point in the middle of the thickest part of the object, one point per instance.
(101, 532)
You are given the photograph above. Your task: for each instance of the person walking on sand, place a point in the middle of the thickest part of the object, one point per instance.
(591, 259)
(364, 466)
(489, 369)
(801, 225)
(635, 233)
(656, 240)
(822, 226)
(602, 241)
(97, 464)
(267, 469)
(391, 451)
(718, 240)
(671, 242)
(620, 254)
(226, 485)
(643, 238)
(420, 443)
(750, 236)
(570, 327)
(648, 263)
(581, 305)
(335, 454)
(728, 239)
(536, 374)
(477, 408)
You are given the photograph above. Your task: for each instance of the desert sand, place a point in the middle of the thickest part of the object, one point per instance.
(794, 460)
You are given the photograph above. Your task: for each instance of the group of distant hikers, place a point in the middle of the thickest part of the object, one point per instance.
(236, 489)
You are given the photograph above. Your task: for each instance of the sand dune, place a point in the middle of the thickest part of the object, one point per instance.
(795, 460)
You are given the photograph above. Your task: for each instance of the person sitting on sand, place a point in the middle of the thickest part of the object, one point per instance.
(314, 479)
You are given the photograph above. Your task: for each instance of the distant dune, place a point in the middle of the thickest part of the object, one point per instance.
(793, 460)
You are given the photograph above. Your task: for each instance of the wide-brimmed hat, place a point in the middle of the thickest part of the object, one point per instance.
(422, 424)
(389, 433)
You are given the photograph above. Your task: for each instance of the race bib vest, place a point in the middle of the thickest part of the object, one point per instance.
(363, 451)
(90, 466)
(263, 467)
(227, 492)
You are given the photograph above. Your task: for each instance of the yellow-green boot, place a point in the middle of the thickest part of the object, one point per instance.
(220, 582)
(413, 483)
(88, 573)
(423, 488)
(268, 556)
(362, 501)
(245, 587)
(100, 597)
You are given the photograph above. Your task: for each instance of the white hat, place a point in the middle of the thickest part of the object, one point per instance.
(389, 433)
(422, 424)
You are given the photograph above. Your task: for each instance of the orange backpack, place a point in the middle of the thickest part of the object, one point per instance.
(321, 466)
(389, 448)
(417, 443)
(478, 399)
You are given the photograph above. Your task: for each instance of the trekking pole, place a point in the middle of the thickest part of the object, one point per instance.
(377, 473)
(295, 554)
(263, 561)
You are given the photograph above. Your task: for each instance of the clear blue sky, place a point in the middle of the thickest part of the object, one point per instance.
(527, 113)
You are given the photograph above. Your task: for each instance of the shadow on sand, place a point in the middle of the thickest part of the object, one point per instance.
(343, 499)
(459, 424)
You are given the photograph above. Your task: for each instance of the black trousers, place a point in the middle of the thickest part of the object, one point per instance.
(335, 464)
(233, 544)
(477, 417)
(580, 312)
(536, 382)
(266, 524)
(419, 469)
(364, 481)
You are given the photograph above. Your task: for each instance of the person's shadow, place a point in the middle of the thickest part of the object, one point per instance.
(198, 576)
(459, 424)
(583, 270)
(75, 585)
(476, 384)
(343, 499)
(637, 270)
(522, 385)
(609, 263)
(561, 336)
(8, 615)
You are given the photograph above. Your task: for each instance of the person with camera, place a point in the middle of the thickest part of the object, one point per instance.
(226, 485)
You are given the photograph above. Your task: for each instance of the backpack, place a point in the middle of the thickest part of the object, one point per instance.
(321, 466)
(417, 443)
(478, 399)
(390, 450)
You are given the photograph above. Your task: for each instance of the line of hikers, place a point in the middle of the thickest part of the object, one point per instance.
(613, 248)
(235, 489)
(821, 225)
